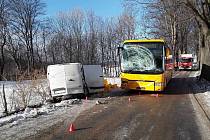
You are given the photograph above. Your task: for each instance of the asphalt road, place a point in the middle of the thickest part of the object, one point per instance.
(169, 117)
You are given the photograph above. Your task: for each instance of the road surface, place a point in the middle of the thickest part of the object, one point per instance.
(169, 117)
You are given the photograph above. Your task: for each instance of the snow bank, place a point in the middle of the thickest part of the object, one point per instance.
(194, 73)
(202, 88)
(114, 81)
(35, 112)
(111, 71)
(32, 121)
(207, 99)
(10, 119)
(35, 93)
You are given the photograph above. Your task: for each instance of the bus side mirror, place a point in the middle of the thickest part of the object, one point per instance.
(118, 50)
(167, 52)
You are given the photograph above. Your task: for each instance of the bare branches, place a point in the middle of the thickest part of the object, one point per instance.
(25, 20)
(200, 13)
(30, 42)
(3, 33)
(141, 2)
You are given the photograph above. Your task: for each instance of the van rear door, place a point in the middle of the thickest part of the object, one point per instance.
(94, 78)
(56, 77)
(73, 75)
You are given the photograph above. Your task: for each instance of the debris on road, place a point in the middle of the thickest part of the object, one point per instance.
(156, 95)
(101, 102)
(68, 103)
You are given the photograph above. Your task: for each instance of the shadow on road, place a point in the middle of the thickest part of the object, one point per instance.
(201, 86)
(79, 129)
(187, 85)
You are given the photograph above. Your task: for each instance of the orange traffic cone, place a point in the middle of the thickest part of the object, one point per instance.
(71, 128)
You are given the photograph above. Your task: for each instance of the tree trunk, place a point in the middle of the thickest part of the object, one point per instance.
(2, 62)
(5, 101)
(205, 54)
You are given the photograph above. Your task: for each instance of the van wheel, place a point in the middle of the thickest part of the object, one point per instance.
(54, 99)
(66, 97)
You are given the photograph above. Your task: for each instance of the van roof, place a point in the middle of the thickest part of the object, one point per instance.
(66, 64)
(144, 40)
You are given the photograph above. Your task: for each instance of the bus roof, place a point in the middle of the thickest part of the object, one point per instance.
(144, 40)
(186, 55)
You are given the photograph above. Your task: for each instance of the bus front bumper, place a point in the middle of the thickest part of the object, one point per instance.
(142, 85)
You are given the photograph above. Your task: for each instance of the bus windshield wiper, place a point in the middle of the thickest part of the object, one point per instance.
(142, 71)
(130, 70)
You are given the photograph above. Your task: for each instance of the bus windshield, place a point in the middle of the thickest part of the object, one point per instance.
(142, 58)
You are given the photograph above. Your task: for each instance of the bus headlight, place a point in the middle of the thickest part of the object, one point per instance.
(158, 84)
(123, 80)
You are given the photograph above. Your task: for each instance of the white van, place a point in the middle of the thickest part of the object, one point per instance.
(65, 79)
(74, 78)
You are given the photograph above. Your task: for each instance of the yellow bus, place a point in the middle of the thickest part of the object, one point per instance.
(145, 65)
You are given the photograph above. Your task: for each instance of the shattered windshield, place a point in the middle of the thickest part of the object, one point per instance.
(142, 57)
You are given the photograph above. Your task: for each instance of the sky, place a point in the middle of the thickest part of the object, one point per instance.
(103, 8)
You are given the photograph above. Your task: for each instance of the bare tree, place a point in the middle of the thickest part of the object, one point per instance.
(3, 33)
(15, 51)
(77, 17)
(170, 20)
(25, 23)
(201, 10)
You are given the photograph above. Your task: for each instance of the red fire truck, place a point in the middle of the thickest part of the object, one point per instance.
(185, 61)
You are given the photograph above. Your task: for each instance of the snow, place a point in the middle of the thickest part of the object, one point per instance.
(40, 115)
(113, 81)
(194, 73)
(207, 99)
(10, 119)
(202, 88)
(34, 120)
(35, 92)
(113, 71)
(35, 112)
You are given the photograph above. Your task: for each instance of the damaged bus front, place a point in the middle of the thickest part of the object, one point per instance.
(145, 65)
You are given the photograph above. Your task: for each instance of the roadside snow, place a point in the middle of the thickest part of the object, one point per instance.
(39, 116)
(35, 93)
(202, 88)
(113, 81)
(35, 120)
(194, 73)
